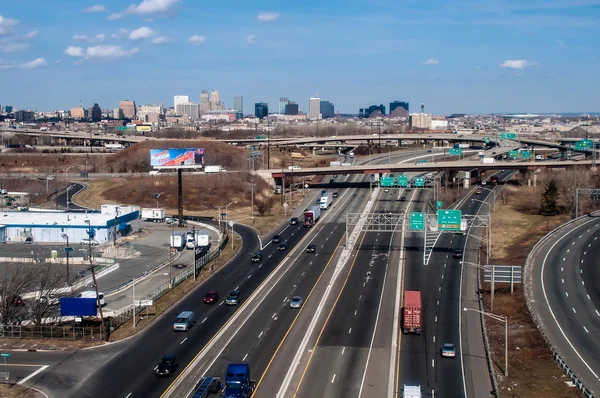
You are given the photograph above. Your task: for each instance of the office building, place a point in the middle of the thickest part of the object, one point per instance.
(291, 108)
(238, 103)
(8, 109)
(180, 99)
(190, 110)
(215, 101)
(261, 110)
(314, 108)
(129, 109)
(24, 116)
(372, 111)
(79, 113)
(420, 121)
(150, 113)
(204, 102)
(327, 109)
(118, 114)
(96, 113)
(283, 101)
(399, 109)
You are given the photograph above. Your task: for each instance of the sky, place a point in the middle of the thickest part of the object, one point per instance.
(459, 56)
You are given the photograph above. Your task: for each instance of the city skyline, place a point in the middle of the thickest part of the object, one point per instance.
(471, 57)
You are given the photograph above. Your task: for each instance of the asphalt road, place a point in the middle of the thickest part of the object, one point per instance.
(564, 279)
(61, 199)
(439, 283)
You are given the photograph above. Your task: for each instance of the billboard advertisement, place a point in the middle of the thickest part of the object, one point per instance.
(179, 157)
(73, 306)
(143, 128)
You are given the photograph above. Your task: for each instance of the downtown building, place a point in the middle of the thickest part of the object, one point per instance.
(189, 110)
(238, 103)
(327, 109)
(399, 109)
(129, 109)
(314, 108)
(150, 113)
(261, 110)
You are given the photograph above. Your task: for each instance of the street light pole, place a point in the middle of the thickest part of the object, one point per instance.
(22, 172)
(102, 326)
(500, 318)
(65, 236)
(133, 293)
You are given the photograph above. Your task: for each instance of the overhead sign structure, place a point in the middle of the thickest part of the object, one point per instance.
(177, 158)
(456, 151)
(513, 154)
(419, 182)
(449, 220)
(417, 221)
(583, 145)
(403, 181)
(526, 154)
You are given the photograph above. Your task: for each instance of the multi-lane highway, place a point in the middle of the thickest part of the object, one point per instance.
(564, 293)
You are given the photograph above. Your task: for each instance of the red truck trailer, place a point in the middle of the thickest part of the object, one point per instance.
(311, 216)
(412, 312)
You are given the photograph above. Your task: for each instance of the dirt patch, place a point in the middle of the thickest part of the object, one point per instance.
(532, 370)
(17, 391)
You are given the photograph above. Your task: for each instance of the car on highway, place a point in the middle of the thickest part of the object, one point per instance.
(458, 254)
(167, 366)
(318, 201)
(335, 195)
(257, 258)
(276, 238)
(296, 302)
(294, 167)
(293, 220)
(282, 246)
(408, 190)
(211, 297)
(234, 298)
(386, 190)
(18, 301)
(335, 176)
(86, 242)
(311, 248)
(478, 191)
(402, 199)
(448, 350)
(429, 151)
(323, 193)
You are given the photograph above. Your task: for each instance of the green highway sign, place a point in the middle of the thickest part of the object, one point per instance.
(526, 154)
(261, 137)
(4, 355)
(486, 140)
(513, 154)
(438, 205)
(456, 151)
(449, 220)
(419, 182)
(511, 135)
(386, 182)
(502, 136)
(417, 221)
(583, 145)
(402, 180)
(122, 128)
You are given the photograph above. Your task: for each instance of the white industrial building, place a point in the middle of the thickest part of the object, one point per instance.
(49, 227)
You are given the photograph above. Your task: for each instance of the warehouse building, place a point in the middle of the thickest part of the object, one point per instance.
(54, 227)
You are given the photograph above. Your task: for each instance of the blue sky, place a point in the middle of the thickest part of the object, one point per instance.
(470, 56)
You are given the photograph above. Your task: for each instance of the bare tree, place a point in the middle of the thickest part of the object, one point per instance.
(15, 280)
(47, 280)
(264, 203)
(570, 180)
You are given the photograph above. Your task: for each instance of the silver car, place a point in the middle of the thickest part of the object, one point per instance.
(448, 350)
(296, 302)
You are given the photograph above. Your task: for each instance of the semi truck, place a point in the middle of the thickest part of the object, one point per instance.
(411, 315)
(411, 391)
(311, 216)
(487, 160)
(238, 383)
(153, 215)
(201, 239)
(325, 202)
(178, 240)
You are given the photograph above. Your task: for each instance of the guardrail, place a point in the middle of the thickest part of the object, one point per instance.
(555, 352)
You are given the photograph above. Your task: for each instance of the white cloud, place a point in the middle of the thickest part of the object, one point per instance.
(160, 40)
(99, 38)
(6, 25)
(58, 61)
(153, 7)
(73, 51)
(516, 64)
(141, 33)
(197, 40)
(36, 63)
(250, 39)
(109, 52)
(115, 16)
(8, 47)
(431, 61)
(32, 35)
(95, 8)
(267, 16)
(120, 34)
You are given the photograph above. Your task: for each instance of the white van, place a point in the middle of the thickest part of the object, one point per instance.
(92, 294)
(184, 321)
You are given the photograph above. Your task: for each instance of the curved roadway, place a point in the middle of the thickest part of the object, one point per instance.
(564, 291)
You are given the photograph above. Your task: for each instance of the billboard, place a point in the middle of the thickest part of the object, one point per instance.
(144, 128)
(177, 158)
(73, 306)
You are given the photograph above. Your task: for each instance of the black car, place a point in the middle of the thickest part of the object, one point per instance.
(293, 220)
(402, 199)
(282, 246)
(318, 201)
(276, 238)
(257, 258)
(335, 194)
(458, 254)
(311, 248)
(167, 366)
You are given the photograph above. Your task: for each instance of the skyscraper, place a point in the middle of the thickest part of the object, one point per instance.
(399, 109)
(128, 108)
(204, 101)
(96, 113)
(314, 108)
(283, 101)
(261, 110)
(291, 108)
(238, 103)
(215, 101)
(79, 113)
(327, 109)
(192, 111)
(118, 113)
(180, 99)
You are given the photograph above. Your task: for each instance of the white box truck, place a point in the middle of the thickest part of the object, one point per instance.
(212, 169)
(411, 391)
(153, 215)
(178, 240)
(488, 160)
(202, 239)
(325, 202)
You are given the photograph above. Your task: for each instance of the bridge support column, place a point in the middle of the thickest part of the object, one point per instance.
(534, 179)
(467, 180)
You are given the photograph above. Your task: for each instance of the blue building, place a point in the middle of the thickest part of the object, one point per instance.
(372, 111)
(327, 110)
(261, 110)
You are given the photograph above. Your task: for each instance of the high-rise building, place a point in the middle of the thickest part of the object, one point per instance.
(399, 109)
(291, 108)
(327, 109)
(79, 113)
(8, 109)
(118, 114)
(215, 101)
(192, 111)
(180, 99)
(283, 101)
(24, 116)
(150, 113)
(238, 103)
(314, 108)
(204, 102)
(261, 110)
(372, 111)
(96, 113)
(129, 109)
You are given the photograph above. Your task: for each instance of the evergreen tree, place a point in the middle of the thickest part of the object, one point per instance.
(549, 205)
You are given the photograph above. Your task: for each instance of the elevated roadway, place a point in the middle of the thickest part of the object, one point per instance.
(563, 291)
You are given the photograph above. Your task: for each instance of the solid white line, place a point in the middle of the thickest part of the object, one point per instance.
(183, 341)
(244, 359)
(343, 349)
(44, 367)
(129, 395)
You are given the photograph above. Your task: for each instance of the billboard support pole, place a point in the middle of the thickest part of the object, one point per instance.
(180, 196)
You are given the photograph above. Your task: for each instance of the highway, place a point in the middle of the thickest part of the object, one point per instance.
(565, 295)
(61, 198)
(440, 285)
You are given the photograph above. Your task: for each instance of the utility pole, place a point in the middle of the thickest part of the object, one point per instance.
(268, 145)
(102, 325)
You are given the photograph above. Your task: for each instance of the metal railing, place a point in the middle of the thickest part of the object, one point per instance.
(90, 333)
(529, 300)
